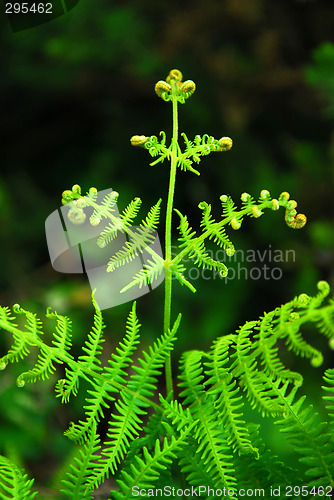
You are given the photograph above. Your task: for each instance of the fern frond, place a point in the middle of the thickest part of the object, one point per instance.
(191, 466)
(215, 454)
(260, 389)
(62, 336)
(18, 350)
(139, 238)
(145, 471)
(213, 449)
(75, 487)
(152, 218)
(195, 248)
(186, 232)
(119, 223)
(68, 386)
(42, 369)
(86, 362)
(268, 471)
(103, 209)
(125, 349)
(33, 323)
(296, 343)
(228, 205)
(14, 483)
(175, 412)
(218, 359)
(178, 270)
(100, 396)
(130, 212)
(6, 318)
(329, 379)
(93, 344)
(126, 425)
(216, 231)
(228, 400)
(148, 274)
(273, 366)
(154, 429)
(191, 376)
(305, 432)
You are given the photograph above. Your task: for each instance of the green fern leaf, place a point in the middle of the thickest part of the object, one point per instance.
(14, 483)
(306, 434)
(19, 350)
(145, 471)
(175, 412)
(178, 270)
(148, 274)
(267, 472)
(191, 466)
(62, 336)
(195, 248)
(104, 209)
(260, 388)
(33, 323)
(120, 223)
(42, 369)
(84, 463)
(191, 376)
(329, 379)
(126, 425)
(273, 366)
(228, 399)
(86, 362)
(100, 396)
(139, 239)
(215, 230)
(213, 449)
(215, 453)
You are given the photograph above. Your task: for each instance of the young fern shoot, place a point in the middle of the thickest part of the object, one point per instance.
(205, 434)
(191, 245)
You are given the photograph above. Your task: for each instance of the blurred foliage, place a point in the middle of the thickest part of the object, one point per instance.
(74, 90)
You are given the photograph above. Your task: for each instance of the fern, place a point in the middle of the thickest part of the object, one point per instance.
(14, 483)
(142, 237)
(75, 479)
(146, 471)
(203, 435)
(329, 379)
(306, 433)
(127, 423)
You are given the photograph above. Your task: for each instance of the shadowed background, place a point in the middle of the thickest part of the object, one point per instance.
(73, 92)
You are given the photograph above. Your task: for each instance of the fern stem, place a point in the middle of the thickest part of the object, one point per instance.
(168, 240)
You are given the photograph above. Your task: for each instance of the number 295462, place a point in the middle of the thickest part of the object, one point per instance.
(26, 8)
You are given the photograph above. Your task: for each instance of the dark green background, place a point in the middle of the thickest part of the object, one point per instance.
(73, 92)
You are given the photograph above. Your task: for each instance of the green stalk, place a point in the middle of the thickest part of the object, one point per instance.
(168, 239)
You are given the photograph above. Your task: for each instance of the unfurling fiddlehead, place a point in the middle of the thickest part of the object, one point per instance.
(204, 433)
